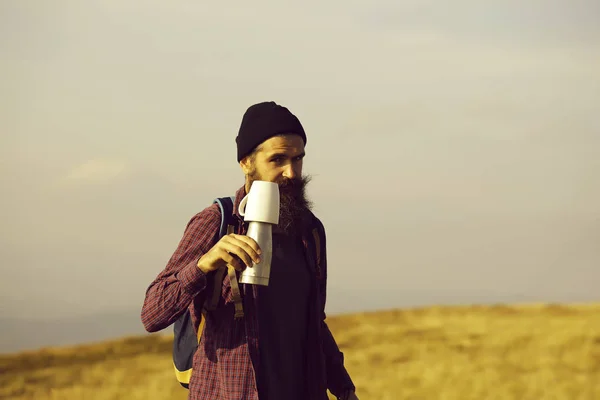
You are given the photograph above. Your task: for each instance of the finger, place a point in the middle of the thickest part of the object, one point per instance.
(234, 249)
(247, 240)
(233, 260)
(248, 244)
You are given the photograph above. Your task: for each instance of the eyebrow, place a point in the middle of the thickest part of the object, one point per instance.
(301, 155)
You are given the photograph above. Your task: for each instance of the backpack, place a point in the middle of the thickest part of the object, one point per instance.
(186, 337)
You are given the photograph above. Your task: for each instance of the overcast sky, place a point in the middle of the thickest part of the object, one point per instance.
(455, 146)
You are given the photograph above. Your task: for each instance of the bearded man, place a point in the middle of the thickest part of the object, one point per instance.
(282, 348)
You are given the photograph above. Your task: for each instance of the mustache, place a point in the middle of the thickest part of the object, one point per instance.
(292, 184)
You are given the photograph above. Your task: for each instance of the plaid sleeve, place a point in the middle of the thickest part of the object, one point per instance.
(338, 379)
(169, 295)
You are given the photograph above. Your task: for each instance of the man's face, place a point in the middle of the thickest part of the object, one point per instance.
(279, 159)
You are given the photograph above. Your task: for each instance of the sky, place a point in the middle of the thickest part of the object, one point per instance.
(454, 145)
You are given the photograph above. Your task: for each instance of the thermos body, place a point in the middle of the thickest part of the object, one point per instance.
(259, 273)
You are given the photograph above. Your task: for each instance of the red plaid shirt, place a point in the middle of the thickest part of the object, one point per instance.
(227, 357)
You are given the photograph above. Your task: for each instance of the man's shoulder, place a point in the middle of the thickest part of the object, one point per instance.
(209, 211)
(209, 216)
(316, 222)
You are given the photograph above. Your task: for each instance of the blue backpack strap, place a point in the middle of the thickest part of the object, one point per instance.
(226, 206)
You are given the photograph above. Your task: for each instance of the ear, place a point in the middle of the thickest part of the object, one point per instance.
(245, 165)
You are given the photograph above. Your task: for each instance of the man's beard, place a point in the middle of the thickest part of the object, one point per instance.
(294, 206)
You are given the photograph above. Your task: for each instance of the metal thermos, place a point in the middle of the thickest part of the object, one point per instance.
(260, 208)
(259, 273)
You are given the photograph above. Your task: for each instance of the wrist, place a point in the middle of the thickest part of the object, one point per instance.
(192, 278)
(201, 266)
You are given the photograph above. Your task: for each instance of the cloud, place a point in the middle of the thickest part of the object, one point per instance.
(99, 171)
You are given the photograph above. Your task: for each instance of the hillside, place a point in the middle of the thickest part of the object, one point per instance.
(538, 352)
(24, 334)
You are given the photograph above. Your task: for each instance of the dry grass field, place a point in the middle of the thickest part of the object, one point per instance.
(538, 352)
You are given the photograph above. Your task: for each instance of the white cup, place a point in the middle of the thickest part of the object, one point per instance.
(261, 204)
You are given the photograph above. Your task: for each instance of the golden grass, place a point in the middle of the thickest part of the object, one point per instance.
(539, 352)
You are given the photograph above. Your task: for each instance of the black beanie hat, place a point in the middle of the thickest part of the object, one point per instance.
(262, 121)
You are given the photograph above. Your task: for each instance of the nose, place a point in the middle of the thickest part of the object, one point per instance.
(290, 172)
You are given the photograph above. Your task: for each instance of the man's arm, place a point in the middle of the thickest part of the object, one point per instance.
(338, 379)
(339, 382)
(169, 295)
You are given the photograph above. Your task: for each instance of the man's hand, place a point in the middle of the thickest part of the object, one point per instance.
(237, 250)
